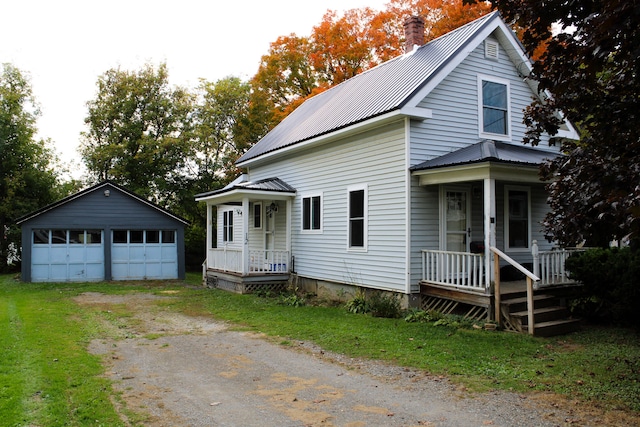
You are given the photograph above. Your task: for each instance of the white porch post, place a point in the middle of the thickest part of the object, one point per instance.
(489, 225)
(245, 236)
(207, 244)
(288, 237)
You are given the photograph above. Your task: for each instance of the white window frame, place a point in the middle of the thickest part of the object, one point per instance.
(527, 190)
(257, 205)
(481, 132)
(351, 189)
(227, 229)
(311, 230)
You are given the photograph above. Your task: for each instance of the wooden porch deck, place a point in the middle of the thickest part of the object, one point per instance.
(552, 316)
(245, 283)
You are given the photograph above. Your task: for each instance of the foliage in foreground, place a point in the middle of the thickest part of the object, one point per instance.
(610, 277)
(40, 323)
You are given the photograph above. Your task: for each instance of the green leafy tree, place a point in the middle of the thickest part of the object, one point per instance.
(28, 179)
(591, 67)
(138, 131)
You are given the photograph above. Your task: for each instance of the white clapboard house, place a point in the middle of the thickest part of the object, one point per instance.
(410, 178)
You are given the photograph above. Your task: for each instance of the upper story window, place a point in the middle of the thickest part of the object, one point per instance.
(494, 108)
(357, 217)
(312, 213)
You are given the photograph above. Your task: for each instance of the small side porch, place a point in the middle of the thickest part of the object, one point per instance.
(527, 301)
(248, 236)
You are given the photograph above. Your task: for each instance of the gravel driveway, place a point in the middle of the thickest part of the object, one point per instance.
(186, 371)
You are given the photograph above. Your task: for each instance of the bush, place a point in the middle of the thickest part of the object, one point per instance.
(378, 304)
(611, 292)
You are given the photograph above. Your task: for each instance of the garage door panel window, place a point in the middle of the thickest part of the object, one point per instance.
(153, 236)
(136, 236)
(93, 237)
(168, 236)
(120, 236)
(59, 237)
(41, 237)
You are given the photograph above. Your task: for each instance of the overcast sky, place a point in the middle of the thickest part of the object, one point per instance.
(64, 45)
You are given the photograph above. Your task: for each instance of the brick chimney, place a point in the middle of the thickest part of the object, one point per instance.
(413, 32)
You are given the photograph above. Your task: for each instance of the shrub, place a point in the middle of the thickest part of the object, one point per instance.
(611, 292)
(358, 304)
(378, 304)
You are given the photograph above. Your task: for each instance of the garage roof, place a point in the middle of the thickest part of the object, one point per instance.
(103, 184)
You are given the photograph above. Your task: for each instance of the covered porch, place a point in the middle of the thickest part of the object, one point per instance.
(248, 235)
(491, 202)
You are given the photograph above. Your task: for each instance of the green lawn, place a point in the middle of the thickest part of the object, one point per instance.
(47, 376)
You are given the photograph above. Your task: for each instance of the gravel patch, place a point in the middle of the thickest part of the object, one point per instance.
(197, 372)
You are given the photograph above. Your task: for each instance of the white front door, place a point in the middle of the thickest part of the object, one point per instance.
(456, 219)
(270, 232)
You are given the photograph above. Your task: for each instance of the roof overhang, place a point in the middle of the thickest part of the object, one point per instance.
(240, 189)
(522, 173)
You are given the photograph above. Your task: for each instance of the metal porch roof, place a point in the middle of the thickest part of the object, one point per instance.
(488, 151)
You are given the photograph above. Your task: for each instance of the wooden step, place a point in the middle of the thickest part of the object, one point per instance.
(556, 327)
(543, 314)
(520, 303)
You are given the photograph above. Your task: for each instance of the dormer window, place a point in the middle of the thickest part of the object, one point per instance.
(494, 108)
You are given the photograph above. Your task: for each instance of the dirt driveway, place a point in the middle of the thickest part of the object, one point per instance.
(186, 371)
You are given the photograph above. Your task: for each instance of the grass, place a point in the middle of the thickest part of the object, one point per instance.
(48, 377)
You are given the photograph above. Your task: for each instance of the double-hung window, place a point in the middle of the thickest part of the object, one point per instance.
(227, 226)
(518, 218)
(494, 107)
(312, 213)
(357, 209)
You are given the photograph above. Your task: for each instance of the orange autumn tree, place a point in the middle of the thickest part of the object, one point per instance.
(342, 46)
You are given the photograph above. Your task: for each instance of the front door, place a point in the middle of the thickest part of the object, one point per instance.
(270, 232)
(456, 219)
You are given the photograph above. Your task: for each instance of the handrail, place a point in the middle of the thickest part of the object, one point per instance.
(530, 279)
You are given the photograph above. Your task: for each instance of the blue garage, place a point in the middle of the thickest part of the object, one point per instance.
(104, 232)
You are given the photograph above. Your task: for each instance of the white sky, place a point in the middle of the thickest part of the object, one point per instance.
(64, 45)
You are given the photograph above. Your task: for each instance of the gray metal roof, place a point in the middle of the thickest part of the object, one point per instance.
(269, 184)
(372, 93)
(488, 151)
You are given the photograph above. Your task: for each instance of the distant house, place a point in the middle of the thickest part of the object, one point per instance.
(104, 232)
(399, 179)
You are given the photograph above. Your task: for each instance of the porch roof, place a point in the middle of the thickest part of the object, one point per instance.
(274, 188)
(486, 150)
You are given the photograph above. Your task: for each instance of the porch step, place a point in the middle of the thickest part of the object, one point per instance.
(544, 314)
(550, 316)
(556, 327)
(520, 303)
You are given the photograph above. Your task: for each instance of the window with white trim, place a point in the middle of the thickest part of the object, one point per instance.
(357, 211)
(517, 217)
(227, 226)
(312, 213)
(494, 108)
(257, 215)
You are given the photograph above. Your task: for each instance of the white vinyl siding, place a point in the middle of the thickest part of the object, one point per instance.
(375, 158)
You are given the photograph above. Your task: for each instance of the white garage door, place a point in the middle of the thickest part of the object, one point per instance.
(144, 254)
(67, 255)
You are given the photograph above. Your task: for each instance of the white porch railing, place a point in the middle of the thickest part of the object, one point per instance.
(268, 262)
(260, 261)
(228, 260)
(459, 269)
(549, 266)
